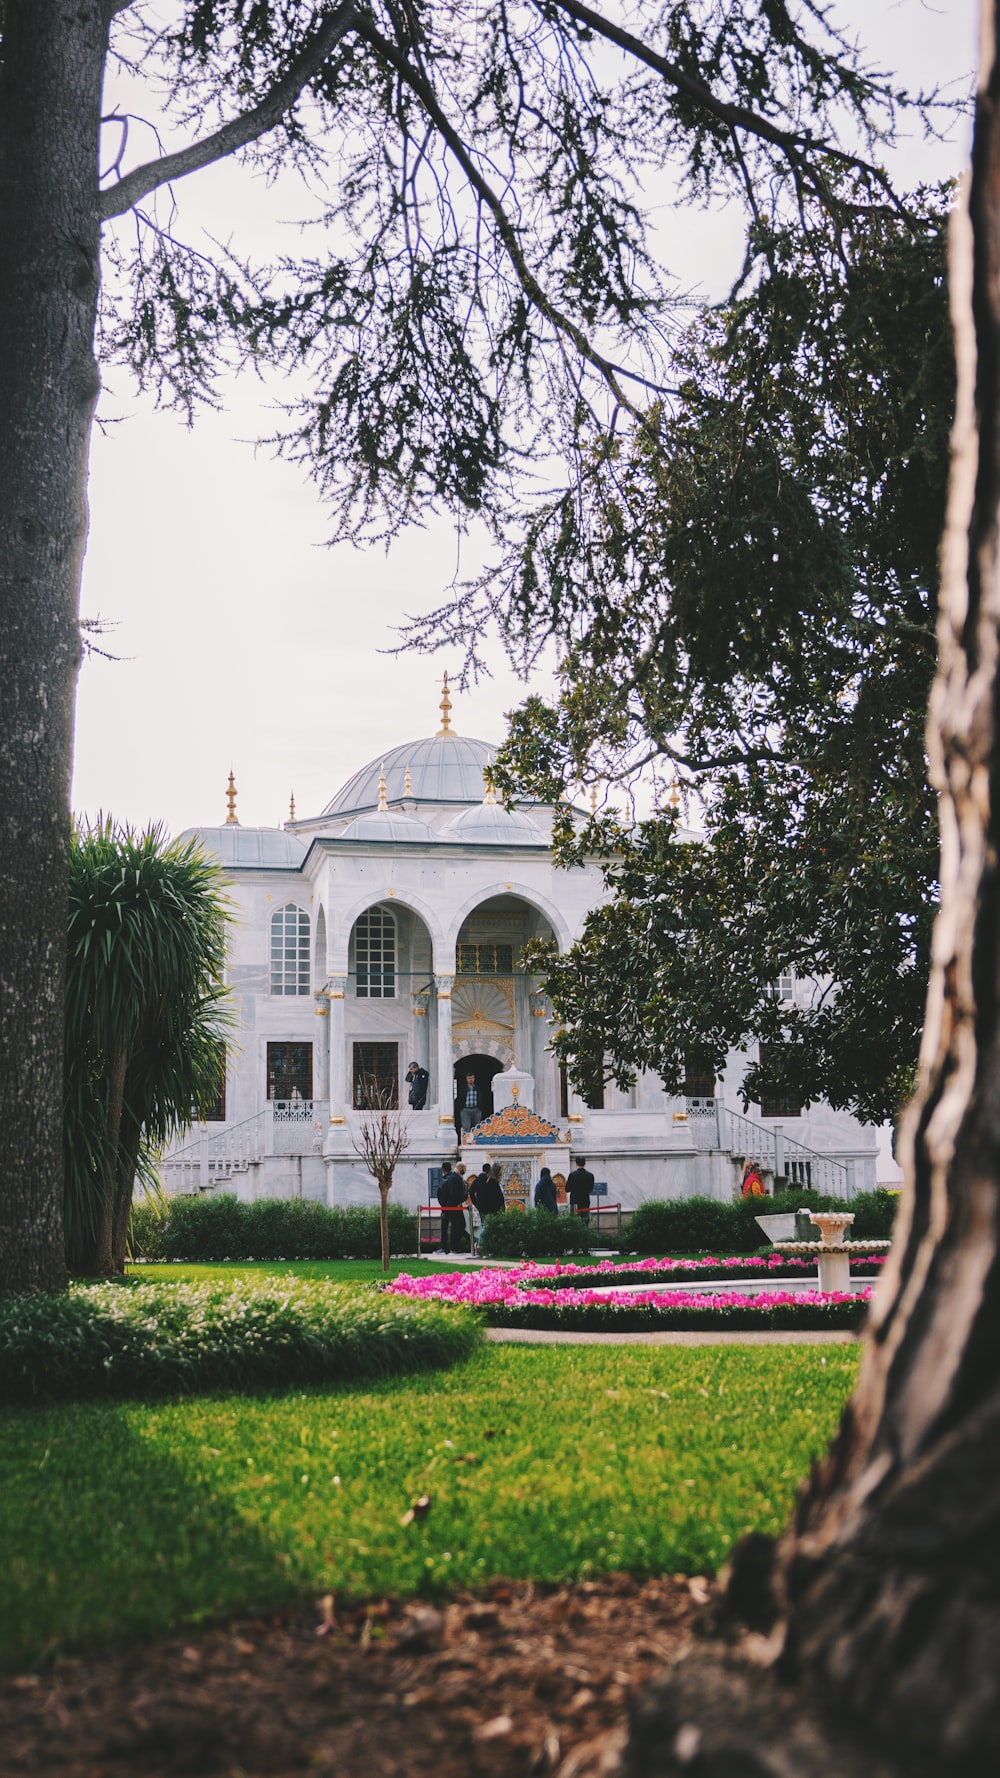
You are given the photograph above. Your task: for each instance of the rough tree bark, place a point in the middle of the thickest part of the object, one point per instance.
(885, 1593)
(50, 104)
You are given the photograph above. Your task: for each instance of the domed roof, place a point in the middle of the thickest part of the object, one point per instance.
(490, 824)
(445, 768)
(249, 848)
(385, 825)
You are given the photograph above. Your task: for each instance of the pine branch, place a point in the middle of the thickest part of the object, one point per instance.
(239, 131)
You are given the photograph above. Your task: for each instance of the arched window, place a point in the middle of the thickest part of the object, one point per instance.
(375, 955)
(290, 951)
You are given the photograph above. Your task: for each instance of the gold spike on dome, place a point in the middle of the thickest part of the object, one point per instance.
(291, 807)
(407, 786)
(445, 728)
(231, 820)
(490, 796)
(593, 799)
(675, 793)
(383, 805)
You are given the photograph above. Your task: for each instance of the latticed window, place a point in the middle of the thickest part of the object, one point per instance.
(699, 1077)
(485, 959)
(777, 1100)
(290, 951)
(290, 1071)
(375, 955)
(376, 1076)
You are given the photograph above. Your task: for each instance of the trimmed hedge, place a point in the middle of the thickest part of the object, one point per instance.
(607, 1318)
(535, 1234)
(224, 1227)
(160, 1338)
(704, 1225)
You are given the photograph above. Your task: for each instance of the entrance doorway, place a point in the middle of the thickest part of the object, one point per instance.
(484, 1068)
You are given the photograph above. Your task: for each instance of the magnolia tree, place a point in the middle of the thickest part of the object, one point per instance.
(380, 1142)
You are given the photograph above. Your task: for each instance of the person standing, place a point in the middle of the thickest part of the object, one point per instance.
(579, 1186)
(451, 1197)
(545, 1193)
(418, 1080)
(470, 1104)
(486, 1193)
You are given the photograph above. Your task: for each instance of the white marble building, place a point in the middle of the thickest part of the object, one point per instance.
(389, 928)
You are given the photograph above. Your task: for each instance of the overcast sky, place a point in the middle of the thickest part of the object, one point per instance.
(243, 640)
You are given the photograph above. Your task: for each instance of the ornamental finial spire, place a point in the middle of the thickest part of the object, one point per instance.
(291, 807)
(490, 796)
(231, 819)
(383, 805)
(407, 784)
(593, 799)
(445, 709)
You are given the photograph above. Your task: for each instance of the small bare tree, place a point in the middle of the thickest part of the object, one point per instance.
(381, 1140)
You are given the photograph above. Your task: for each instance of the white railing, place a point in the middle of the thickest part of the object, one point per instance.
(213, 1157)
(713, 1126)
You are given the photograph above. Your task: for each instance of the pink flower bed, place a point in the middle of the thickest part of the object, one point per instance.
(520, 1287)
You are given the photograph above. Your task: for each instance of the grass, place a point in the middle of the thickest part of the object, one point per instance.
(341, 1271)
(124, 1520)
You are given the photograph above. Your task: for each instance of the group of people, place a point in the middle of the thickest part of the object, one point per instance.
(456, 1192)
(468, 1098)
(579, 1185)
(484, 1192)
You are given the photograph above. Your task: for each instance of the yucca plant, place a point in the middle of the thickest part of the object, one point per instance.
(145, 1020)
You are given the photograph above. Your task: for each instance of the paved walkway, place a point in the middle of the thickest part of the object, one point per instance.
(530, 1336)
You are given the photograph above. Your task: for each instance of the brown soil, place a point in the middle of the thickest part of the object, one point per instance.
(518, 1681)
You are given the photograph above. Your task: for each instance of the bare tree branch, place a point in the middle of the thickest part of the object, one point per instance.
(239, 131)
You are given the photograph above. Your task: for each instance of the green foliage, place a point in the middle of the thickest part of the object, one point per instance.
(796, 486)
(585, 1461)
(240, 1333)
(704, 1225)
(223, 1227)
(534, 1235)
(145, 1020)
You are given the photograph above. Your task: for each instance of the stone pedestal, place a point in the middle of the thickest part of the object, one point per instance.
(834, 1268)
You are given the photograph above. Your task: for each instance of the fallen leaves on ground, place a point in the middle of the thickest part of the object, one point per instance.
(520, 1680)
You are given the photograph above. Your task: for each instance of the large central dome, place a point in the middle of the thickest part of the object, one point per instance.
(444, 768)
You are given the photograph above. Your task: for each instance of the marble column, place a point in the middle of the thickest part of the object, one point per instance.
(445, 1063)
(321, 1052)
(336, 989)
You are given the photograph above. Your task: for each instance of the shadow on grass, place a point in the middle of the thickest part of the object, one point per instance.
(108, 1535)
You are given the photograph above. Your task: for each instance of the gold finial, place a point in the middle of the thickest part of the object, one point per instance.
(291, 807)
(593, 799)
(490, 796)
(407, 786)
(383, 805)
(445, 708)
(231, 820)
(675, 793)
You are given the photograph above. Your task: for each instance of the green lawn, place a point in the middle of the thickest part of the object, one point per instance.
(341, 1271)
(122, 1521)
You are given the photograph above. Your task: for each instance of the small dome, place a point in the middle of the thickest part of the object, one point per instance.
(490, 824)
(444, 768)
(385, 825)
(249, 848)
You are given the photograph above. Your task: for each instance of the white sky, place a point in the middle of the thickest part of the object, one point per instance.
(246, 642)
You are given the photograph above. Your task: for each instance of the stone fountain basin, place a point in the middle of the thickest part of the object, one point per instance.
(814, 1248)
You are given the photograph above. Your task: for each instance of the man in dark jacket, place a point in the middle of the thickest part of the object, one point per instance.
(418, 1079)
(545, 1193)
(579, 1186)
(451, 1196)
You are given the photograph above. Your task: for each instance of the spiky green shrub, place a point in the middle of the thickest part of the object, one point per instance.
(534, 1235)
(157, 1338)
(144, 1020)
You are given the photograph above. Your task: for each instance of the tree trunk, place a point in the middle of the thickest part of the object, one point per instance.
(384, 1188)
(886, 1587)
(891, 1572)
(50, 103)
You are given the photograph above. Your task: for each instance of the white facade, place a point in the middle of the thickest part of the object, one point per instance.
(389, 929)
